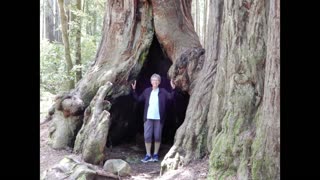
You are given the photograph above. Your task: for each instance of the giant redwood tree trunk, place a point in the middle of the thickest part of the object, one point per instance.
(127, 35)
(233, 111)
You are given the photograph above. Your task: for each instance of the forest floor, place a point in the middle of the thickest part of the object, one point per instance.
(131, 153)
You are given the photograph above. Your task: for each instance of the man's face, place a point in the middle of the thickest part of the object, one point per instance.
(155, 82)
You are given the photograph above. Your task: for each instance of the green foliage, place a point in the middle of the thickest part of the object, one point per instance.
(88, 50)
(53, 68)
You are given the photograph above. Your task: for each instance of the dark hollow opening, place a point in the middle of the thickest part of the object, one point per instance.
(127, 115)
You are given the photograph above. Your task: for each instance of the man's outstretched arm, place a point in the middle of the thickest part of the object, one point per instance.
(170, 95)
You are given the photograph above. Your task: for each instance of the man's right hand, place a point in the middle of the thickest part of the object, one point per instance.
(172, 84)
(133, 85)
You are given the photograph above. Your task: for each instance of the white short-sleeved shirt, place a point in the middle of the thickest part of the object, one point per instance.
(153, 109)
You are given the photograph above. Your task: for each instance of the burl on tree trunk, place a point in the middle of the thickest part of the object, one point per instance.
(233, 111)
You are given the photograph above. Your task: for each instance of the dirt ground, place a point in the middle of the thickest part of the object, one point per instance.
(132, 154)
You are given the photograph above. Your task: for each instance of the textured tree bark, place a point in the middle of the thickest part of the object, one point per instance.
(91, 139)
(190, 139)
(266, 146)
(196, 27)
(236, 107)
(204, 28)
(225, 113)
(198, 16)
(174, 29)
(66, 116)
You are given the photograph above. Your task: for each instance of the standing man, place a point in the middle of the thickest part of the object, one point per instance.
(155, 100)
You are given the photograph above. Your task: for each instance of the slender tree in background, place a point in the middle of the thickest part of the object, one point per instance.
(65, 37)
(49, 20)
(199, 16)
(78, 41)
(57, 31)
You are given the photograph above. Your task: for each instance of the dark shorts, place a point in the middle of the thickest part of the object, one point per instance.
(152, 127)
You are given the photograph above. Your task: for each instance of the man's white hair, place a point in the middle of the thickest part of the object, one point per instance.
(156, 76)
